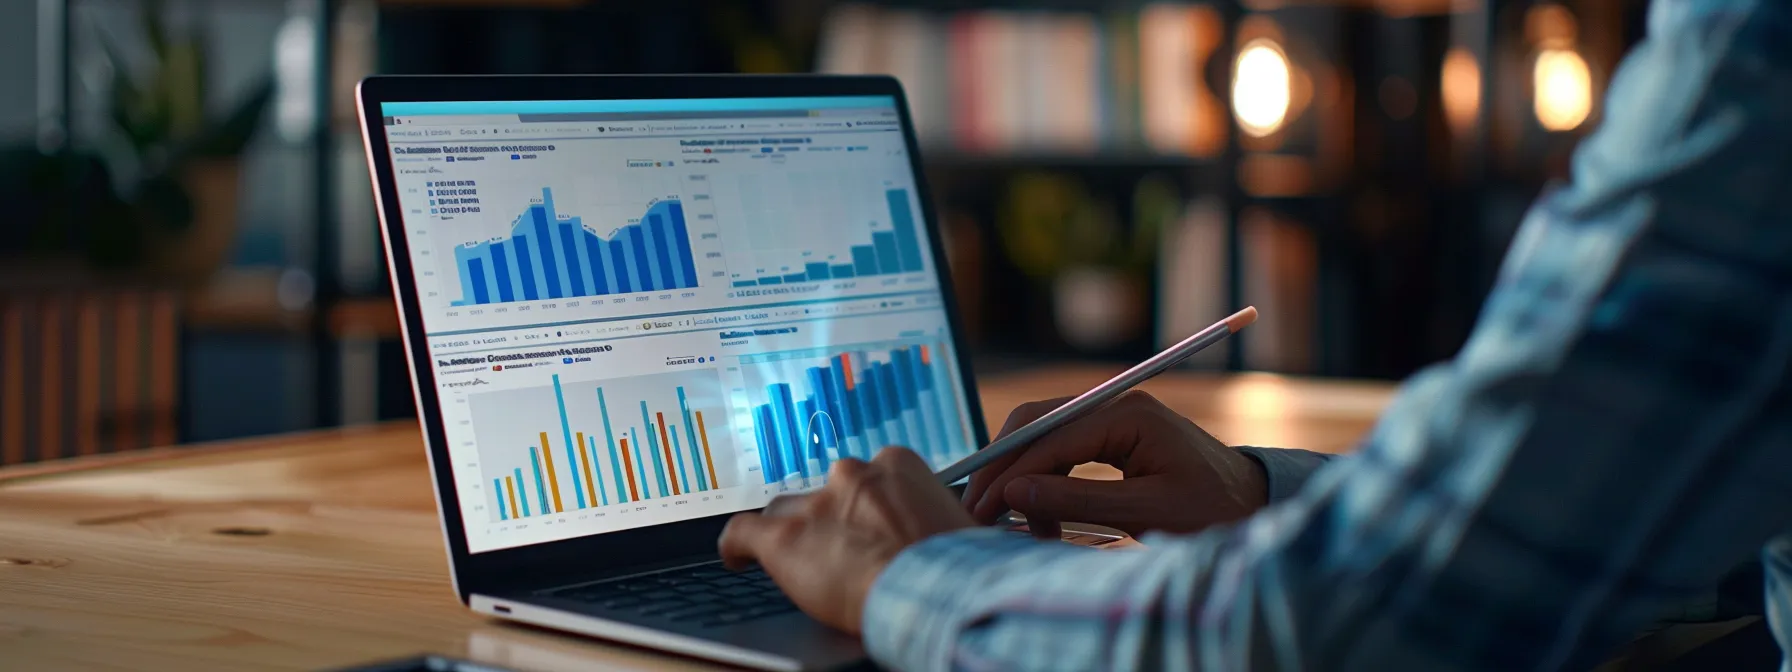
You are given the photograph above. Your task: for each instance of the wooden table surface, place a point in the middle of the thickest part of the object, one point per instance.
(321, 550)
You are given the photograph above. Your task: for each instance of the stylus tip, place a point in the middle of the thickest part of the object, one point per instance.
(1241, 319)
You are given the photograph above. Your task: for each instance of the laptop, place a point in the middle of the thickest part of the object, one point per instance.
(636, 305)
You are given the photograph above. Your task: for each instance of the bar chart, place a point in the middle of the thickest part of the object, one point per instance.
(577, 445)
(888, 243)
(552, 255)
(810, 407)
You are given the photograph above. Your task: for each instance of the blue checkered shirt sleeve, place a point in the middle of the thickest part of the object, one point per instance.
(1615, 435)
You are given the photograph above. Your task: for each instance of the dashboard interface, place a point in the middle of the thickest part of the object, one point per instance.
(646, 311)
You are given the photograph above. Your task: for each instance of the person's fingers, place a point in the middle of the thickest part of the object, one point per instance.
(825, 566)
(738, 543)
(1026, 413)
(1106, 435)
(1018, 418)
(849, 469)
(906, 471)
(1045, 528)
(900, 460)
(794, 504)
(750, 538)
(1049, 500)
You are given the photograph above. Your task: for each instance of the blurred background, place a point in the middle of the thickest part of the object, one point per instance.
(191, 251)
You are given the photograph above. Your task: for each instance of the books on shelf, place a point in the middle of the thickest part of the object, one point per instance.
(1281, 278)
(1191, 282)
(1002, 81)
(1179, 112)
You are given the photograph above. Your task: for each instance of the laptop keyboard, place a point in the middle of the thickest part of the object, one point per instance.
(708, 595)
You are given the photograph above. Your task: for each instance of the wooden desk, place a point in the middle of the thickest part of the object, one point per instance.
(321, 550)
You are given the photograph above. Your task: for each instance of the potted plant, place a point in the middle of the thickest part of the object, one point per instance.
(157, 194)
(1096, 266)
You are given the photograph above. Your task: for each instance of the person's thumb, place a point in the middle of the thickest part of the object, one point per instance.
(1050, 499)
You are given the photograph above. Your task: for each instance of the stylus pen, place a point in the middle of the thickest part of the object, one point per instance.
(1100, 395)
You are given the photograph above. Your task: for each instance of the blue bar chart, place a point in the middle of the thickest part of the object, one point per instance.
(552, 255)
(892, 251)
(577, 445)
(811, 407)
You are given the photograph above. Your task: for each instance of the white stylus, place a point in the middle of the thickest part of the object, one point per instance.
(1099, 395)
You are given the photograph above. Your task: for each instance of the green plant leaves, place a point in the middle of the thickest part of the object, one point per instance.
(157, 106)
(229, 135)
(1049, 222)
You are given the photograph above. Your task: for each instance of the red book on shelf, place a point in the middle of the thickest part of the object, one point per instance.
(967, 88)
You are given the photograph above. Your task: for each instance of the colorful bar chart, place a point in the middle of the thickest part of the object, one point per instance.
(551, 255)
(810, 407)
(897, 250)
(577, 445)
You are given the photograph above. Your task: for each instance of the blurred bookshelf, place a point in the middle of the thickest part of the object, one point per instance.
(949, 158)
(1064, 142)
(1109, 175)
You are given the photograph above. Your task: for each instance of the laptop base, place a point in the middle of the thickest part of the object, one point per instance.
(787, 642)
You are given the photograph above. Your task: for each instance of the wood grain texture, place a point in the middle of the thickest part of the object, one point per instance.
(322, 550)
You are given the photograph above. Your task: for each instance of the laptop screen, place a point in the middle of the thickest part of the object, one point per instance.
(647, 311)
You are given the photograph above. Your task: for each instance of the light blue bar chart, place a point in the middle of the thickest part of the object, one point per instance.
(811, 407)
(889, 252)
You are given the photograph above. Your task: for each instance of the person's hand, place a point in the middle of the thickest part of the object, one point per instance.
(827, 547)
(1178, 478)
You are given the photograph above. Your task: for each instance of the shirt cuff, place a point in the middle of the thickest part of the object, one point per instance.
(1286, 469)
(922, 599)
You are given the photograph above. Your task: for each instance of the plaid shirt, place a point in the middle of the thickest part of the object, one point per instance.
(1616, 434)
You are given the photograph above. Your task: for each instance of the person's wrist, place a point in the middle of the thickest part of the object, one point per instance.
(865, 582)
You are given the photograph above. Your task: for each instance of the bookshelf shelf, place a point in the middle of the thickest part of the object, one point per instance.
(951, 158)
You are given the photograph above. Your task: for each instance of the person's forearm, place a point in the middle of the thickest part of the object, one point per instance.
(1611, 437)
(987, 599)
(1224, 599)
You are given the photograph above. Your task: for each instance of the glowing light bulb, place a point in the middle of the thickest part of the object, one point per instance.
(1261, 88)
(1461, 89)
(1562, 89)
